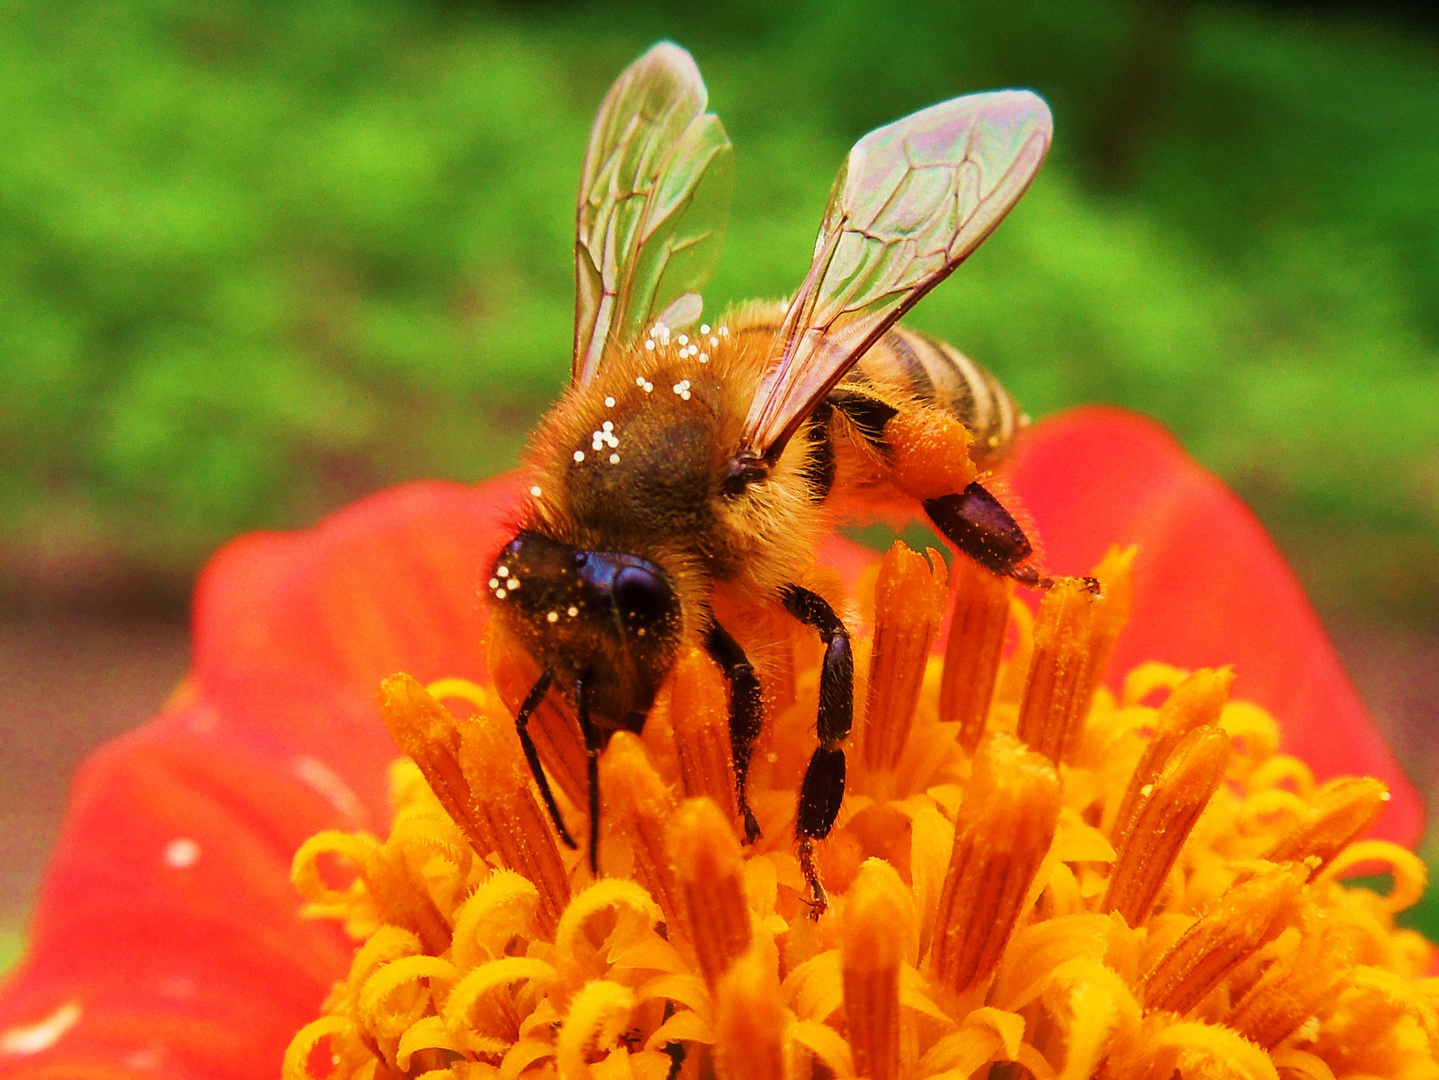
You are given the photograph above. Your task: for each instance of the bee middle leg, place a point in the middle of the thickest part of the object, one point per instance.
(822, 791)
(745, 714)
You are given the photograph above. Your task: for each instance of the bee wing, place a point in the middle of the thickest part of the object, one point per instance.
(654, 198)
(912, 201)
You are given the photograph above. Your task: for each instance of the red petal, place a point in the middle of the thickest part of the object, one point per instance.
(1210, 587)
(167, 914)
(294, 631)
(205, 968)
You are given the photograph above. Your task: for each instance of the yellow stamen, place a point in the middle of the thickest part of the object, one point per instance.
(1073, 637)
(1339, 812)
(1196, 701)
(976, 643)
(872, 948)
(1006, 823)
(1130, 891)
(1245, 917)
(750, 1021)
(1295, 987)
(1058, 671)
(1163, 815)
(640, 809)
(710, 877)
(699, 713)
(909, 604)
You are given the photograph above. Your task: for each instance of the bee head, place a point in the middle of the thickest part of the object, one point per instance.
(607, 617)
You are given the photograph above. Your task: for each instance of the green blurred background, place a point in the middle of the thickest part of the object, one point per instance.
(257, 259)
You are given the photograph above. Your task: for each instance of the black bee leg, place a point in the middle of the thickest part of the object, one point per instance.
(977, 524)
(746, 714)
(592, 771)
(522, 726)
(823, 788)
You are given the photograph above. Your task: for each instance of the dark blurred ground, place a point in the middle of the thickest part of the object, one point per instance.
(71, 682)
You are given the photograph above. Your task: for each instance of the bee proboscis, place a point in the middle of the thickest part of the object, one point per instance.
(690, 468)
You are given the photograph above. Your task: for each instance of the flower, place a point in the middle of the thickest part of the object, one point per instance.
(167, 939)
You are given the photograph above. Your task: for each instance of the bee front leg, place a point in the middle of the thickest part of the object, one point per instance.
(822, 791)
(746, 714)
(592, 771)
(978, 525)
(522, 728)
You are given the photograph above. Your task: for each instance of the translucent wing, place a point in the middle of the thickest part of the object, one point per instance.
(654, 197)
(912, 201)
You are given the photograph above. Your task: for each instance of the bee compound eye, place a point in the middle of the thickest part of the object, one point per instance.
(642, 597)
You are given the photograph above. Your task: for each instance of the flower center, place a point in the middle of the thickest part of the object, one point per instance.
(1029, 876)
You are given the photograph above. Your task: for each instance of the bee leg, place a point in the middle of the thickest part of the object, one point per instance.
(977, 524)
(592, 771)
(522, 727)
(823, 788)
(745, 714)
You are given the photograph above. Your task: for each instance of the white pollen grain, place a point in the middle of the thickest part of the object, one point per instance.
(514, 584)
(684, 339)
(579, 455)
(609, 403)
(704, 358)
(704, 328)
(500, 594)
(182, 852)
(535, 491)
(43, 1034)
(714, 342)
(494, 583)
(614, 459)
(552, 616)
(650, 344)
(502, 571)
(608, 425)
(572, 611)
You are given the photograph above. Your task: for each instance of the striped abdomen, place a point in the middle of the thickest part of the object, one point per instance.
(930, 371)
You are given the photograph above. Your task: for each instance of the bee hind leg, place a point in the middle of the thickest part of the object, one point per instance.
(977, 523)
(746, 714)
(822, 791)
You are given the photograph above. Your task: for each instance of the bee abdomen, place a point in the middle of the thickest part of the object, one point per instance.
(934, 372)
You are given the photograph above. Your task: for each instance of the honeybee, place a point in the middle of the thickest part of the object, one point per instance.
(689, 464)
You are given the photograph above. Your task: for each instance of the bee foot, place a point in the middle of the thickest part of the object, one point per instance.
(818, 900)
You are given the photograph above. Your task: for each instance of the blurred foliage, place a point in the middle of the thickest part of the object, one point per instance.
(256, 259)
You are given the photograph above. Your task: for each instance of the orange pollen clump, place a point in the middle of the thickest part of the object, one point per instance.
(1029, 876)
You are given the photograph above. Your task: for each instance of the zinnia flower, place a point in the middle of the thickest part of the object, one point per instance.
(1064, 875)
